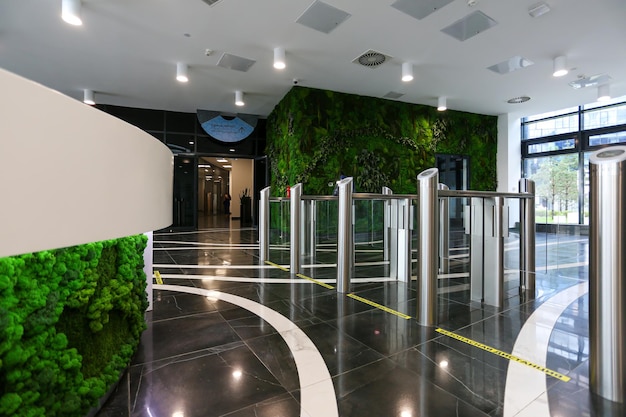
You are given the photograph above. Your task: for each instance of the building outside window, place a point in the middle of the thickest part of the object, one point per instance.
(555, 154)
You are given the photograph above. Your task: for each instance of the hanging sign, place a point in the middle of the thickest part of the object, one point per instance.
(226, 129)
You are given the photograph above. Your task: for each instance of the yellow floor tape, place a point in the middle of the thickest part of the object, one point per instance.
(505, 355)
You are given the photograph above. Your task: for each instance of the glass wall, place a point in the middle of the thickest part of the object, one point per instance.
(555, 154)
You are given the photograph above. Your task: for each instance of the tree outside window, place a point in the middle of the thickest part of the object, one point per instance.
(556, 184)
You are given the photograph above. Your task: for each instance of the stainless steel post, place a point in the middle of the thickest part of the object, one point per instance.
(345, 245)
(394, 221)
(444, 232)
(313, 230)
(428, 218)
(607, 273)
(264, 225)
(295, 199)
(404, 241)
(386, 223)
(527, 238)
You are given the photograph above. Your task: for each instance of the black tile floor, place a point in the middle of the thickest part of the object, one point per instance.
(225, 350)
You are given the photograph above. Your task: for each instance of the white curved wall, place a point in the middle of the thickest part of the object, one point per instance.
(71, 174)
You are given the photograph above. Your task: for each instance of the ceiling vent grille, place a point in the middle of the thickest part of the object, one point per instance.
(371, 59)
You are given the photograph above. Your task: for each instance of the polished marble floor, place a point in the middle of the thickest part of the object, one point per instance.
(229, 336)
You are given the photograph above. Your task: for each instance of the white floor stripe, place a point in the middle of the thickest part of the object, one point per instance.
(317, 393)
(525, 392)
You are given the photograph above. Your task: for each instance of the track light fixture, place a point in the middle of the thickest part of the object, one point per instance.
(279, 58)
(182, 72)
(560, 66)
(604, 92)
(70, 12)
(239, 98)
(407, 72)
(441, 104)
(88, 97)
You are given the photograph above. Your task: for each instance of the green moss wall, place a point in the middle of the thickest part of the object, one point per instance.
(314, 135)
(70, 320)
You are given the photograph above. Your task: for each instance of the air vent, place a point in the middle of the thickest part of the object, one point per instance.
(371, 59)
(323, 17)
(471, 25)
(393, 94)
(211, 2)
(235, 62)
(518, 100)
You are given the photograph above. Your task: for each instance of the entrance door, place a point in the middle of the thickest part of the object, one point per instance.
(184, 193)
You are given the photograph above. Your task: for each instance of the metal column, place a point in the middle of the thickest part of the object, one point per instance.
(527, 239)
(428, 218)
(264, 225)
(607, 273)
(387, 224)
(312, 230)
(345, 245)
(295, 200)
(444, 232)
(403, 244)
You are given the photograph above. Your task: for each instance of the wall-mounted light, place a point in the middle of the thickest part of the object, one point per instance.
(182, 74)
(279, 58)
(88, 97)
(407, 72)
(239, 98)
(560, 66)
(70, 12)
(604, 92)
(441, 104)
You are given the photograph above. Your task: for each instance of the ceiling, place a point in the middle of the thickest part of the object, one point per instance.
(127, 50)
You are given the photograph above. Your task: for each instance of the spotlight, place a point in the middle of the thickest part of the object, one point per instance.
(239, 98)
(88, 97)
(441, 104)
(407, 72)
(182, 72)
(559, 66)
(604, 92)
(70, 12)
(279, 58)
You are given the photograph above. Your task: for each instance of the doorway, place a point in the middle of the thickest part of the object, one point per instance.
(213, 183)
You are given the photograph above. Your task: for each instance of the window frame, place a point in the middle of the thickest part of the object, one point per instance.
(581, 143)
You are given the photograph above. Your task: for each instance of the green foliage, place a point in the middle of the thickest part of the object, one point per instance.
(557, 179)
(70, 320)
(313, 136)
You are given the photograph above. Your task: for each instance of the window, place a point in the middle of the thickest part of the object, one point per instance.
(550, 127)
(556, 149)
(557, 145)
(604, 117)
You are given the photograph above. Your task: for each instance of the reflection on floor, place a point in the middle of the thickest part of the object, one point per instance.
(230, 337)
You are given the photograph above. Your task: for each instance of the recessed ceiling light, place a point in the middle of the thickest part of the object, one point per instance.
(227, 166)
(220, 160)
(518, 100)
